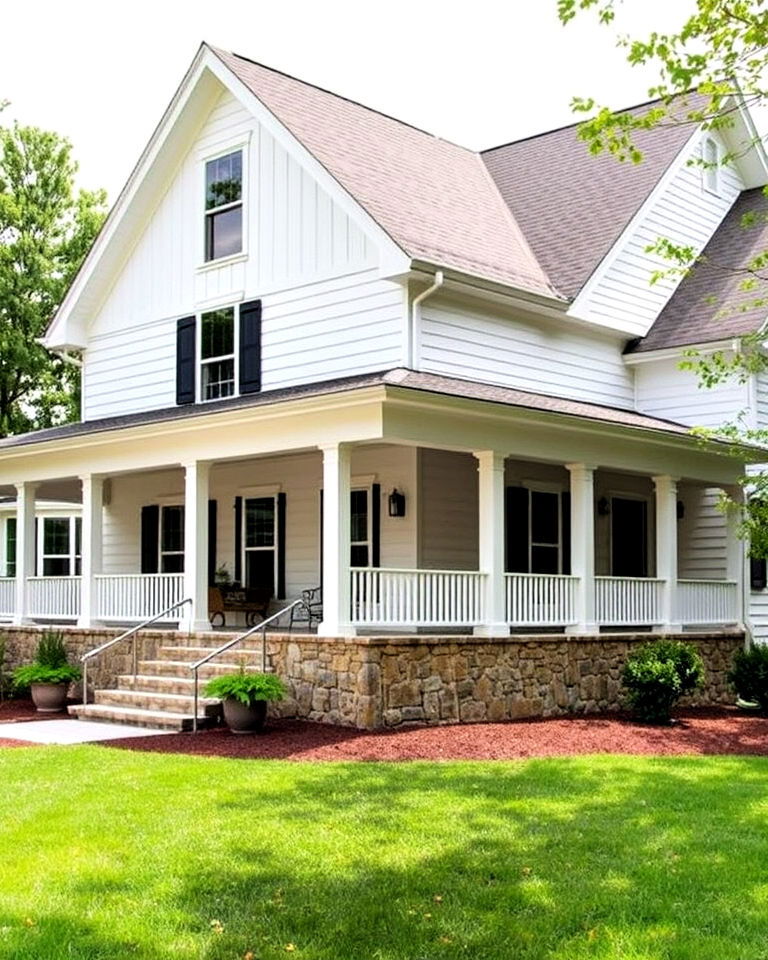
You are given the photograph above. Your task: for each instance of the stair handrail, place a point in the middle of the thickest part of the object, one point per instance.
(195, 667)
(132, 631)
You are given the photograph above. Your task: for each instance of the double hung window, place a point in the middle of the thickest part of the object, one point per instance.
(360, 549)
(224, 206)
(217, 354)
(10, 547)
(58, 546)
(260, 542)
(172, 539)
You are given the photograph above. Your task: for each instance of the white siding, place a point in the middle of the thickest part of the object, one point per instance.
(702, 535)
(304, 256)
(761, 399)
(664, 390)
(300, 478)
(536, 355)
(621, 293)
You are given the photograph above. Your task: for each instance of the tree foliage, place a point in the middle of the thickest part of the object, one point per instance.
(46, 228)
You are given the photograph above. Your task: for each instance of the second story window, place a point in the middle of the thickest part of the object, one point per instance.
(217, 354)
(224, 206)
(711, 171)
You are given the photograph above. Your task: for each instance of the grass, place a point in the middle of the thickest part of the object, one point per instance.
(111, 854)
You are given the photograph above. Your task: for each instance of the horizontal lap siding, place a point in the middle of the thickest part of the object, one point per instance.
(325, 314)
(448, 494)
(702, 535)
(683, 213)
(664, 390)
(530, 355)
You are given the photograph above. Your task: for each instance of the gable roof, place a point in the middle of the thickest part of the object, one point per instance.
(580, 202)
(709, 304)
(435, 199)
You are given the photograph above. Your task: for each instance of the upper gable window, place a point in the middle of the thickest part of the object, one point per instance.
(711, 166)
(224, 206)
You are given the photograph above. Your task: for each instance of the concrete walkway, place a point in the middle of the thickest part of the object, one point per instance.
(72, 731)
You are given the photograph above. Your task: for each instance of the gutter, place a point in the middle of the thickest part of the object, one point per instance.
(413, 358)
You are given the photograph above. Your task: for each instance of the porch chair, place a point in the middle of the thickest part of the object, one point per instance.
(310, 610)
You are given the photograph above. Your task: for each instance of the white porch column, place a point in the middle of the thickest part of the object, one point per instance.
(25, 548)
(666, 550)
(583, 546)
(336, 620)
(195, 617)
(490, 467)
(91, 547)
(736, 550)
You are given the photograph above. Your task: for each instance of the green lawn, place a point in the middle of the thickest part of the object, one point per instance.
(109, 854)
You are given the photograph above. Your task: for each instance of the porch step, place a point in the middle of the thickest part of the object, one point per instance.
(190, 654)
(138, 717)
(159, 684)
(180, 668)
(162, 702)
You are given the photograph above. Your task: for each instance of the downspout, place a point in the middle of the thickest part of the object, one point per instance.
(414, 357)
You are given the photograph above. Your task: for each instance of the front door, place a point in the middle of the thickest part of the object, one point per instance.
(629, 537)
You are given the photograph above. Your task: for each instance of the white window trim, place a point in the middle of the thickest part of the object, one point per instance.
(71, 554)
(227, 305)
(711, 187)
(243, 146)
(245, 550)
(368, 488)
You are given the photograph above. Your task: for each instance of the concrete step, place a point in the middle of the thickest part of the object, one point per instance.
(154, 719)
(158, 702)
(180, 668)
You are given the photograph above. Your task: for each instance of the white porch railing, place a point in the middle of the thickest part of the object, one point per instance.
(54, 597)
(707, 601)
(137, 596)
(535, 599)
(417, 597)
(631, 601)
(7, 596)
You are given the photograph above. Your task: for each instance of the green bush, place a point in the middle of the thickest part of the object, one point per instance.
(246, 687)
(50, 664)
(749, 675)
(657, 674)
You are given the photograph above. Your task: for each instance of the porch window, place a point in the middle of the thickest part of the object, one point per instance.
(259, 542)
(59, 547)
(360, 529)
(10, 547)
(217, 354)
(538, 531)
(172, 539)
(224, 206)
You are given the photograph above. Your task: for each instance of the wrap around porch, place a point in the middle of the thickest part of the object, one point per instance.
(397, 538)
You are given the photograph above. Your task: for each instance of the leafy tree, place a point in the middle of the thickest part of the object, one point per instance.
(718, 54)
(46, 228)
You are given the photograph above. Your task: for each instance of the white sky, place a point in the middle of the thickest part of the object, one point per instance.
(479, 72)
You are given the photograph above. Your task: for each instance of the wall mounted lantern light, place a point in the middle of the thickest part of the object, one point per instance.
(396, 504)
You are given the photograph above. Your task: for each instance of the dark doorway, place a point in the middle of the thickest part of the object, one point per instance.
(629, 537)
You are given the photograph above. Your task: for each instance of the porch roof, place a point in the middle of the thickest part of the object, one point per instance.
(400, 378)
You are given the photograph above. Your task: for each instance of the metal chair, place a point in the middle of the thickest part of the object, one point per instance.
(310, 610)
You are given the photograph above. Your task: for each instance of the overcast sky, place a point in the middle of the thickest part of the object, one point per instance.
(479, 72)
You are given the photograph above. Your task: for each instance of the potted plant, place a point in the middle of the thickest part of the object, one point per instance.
(221, 577)
(244, 698)
(49, 677)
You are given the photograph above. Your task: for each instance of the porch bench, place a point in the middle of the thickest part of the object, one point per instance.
(252, 601)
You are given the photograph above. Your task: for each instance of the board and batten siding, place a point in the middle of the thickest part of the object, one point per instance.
(621, 292)
(326, 313)
(535, 355)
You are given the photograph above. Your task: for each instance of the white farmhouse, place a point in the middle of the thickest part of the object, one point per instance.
(325, 351)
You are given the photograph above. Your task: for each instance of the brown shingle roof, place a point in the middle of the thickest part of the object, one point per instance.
(709, 304)
(573, 205)
(435, 199)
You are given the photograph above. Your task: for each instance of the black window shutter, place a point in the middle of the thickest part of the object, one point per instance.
(757, 574)
(239, 540)
(516, 525)
(376, 525)
(250, 347)
(565, 534)
(280, 592)
(211, 543)
(185, 360)
(150, 538)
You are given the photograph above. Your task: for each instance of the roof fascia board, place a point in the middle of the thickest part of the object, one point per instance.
(752, 162)
(395, 259)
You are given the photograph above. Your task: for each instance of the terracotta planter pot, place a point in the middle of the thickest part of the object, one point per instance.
(49, 697)
(245, 719)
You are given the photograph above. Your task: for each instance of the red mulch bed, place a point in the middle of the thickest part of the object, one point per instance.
(724, 731)
(5, 742)
(13, 711)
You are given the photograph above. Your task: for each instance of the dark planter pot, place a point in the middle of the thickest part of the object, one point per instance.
(245, 719)
(49, 697)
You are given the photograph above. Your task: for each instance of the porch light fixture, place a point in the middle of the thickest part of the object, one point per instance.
(603, 506)
(680, 510)
(396, 504)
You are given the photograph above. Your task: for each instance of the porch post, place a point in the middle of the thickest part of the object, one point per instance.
(91, 547)
(490, 467)
(25, 548)
(336, 620)
(736, 551)
(666, 550)
(583, 546)
(196, 475)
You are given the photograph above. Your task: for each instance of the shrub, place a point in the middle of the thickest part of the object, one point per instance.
(50, 664)
(749, 675)
(246, 687)
(657, 674)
